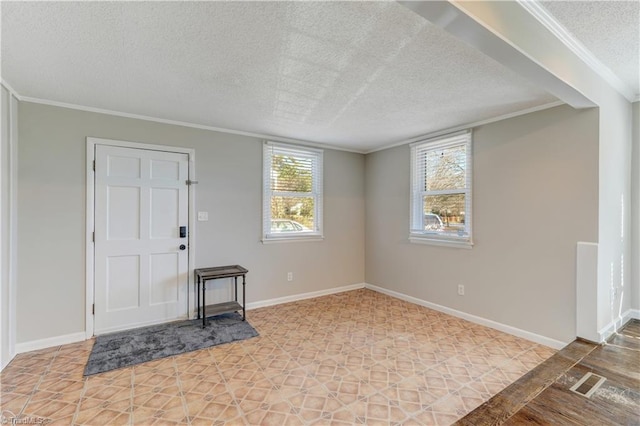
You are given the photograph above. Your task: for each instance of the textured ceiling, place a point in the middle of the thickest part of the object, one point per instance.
(609, 29)
(356, 75)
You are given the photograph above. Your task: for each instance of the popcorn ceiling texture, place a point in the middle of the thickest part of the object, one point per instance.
(609, 29)
(358, 75)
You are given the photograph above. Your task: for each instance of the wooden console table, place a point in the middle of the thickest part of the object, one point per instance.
(205, 274)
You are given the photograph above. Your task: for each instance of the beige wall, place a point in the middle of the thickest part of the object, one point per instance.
(580, 85)
(635, 210)
(535, 195)
(51, 203)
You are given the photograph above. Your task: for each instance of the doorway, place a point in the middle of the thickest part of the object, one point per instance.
(140, 238)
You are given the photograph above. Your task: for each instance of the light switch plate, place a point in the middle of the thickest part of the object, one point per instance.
(203, 216)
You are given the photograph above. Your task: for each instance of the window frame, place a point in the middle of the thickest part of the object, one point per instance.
(317, 192)
(417, 233)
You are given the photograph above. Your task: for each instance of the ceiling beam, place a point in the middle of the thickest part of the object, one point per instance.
(488, 27)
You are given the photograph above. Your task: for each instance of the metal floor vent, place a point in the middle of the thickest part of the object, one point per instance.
(588, 384)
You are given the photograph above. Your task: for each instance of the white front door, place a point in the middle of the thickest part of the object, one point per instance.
(141, 260)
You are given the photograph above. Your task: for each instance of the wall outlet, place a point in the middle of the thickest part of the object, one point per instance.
(203, 216)
(460, 290)
(289, 276)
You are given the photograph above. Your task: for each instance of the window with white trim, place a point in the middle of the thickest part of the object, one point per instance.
(292, 192)
(441, 190)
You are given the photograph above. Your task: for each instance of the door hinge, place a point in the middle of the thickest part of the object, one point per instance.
(93, 309)
(93, 236)
(191, 182)
(94, 165)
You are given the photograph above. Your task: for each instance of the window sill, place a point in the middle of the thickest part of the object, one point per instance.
(440, 242)
(292, 239)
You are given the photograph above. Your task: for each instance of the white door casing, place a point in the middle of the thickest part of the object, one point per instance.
(141, 201)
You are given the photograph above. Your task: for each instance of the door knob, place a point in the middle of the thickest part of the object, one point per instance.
(182, 247)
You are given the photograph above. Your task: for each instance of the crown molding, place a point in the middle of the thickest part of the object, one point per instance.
(10, 89)
(467, 126)
(172, 122)
(278, 138)
(184, 124)
(574, 45)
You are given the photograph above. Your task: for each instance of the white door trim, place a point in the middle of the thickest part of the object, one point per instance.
(90, 218)
(10, 241)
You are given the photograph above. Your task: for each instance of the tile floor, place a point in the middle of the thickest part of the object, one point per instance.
(358, 357)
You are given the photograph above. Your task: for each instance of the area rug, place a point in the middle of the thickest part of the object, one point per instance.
(131, 347)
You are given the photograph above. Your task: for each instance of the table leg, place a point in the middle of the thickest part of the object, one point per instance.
(235, 291)
(204, 304)
(198, 296)
(244, 300)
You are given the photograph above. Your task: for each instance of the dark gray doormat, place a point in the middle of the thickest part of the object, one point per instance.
(131, 347)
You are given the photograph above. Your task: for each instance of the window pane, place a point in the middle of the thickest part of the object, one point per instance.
(291, 173)
(445, 213)
(292, 214)
(445, 168)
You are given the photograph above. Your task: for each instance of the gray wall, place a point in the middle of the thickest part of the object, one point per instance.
(535, 195)
(51, 208)
(635, 210)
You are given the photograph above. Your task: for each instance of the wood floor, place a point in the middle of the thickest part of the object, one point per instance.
(543, 395)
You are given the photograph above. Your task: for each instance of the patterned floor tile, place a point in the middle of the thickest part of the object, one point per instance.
(357, 357)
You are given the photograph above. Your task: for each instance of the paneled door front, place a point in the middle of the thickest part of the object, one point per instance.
(141, 261)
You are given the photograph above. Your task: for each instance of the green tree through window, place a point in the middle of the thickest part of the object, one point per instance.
(292, 191)
(294, 175)
(446, 171)
(441, 189)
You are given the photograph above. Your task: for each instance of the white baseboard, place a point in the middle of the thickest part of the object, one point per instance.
(303, 296)
(6, 362)
(81, 336)
(556, 344)
(552, 343)
(49, 342)
(616, 324)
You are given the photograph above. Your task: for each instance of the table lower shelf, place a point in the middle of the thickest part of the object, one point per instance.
(221, 308)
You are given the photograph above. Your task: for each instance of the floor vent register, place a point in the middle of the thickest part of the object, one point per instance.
(588, 385)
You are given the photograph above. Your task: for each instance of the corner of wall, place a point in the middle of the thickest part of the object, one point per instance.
(8, 226)
(635, 209)
(533, 337)
(587, 291)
